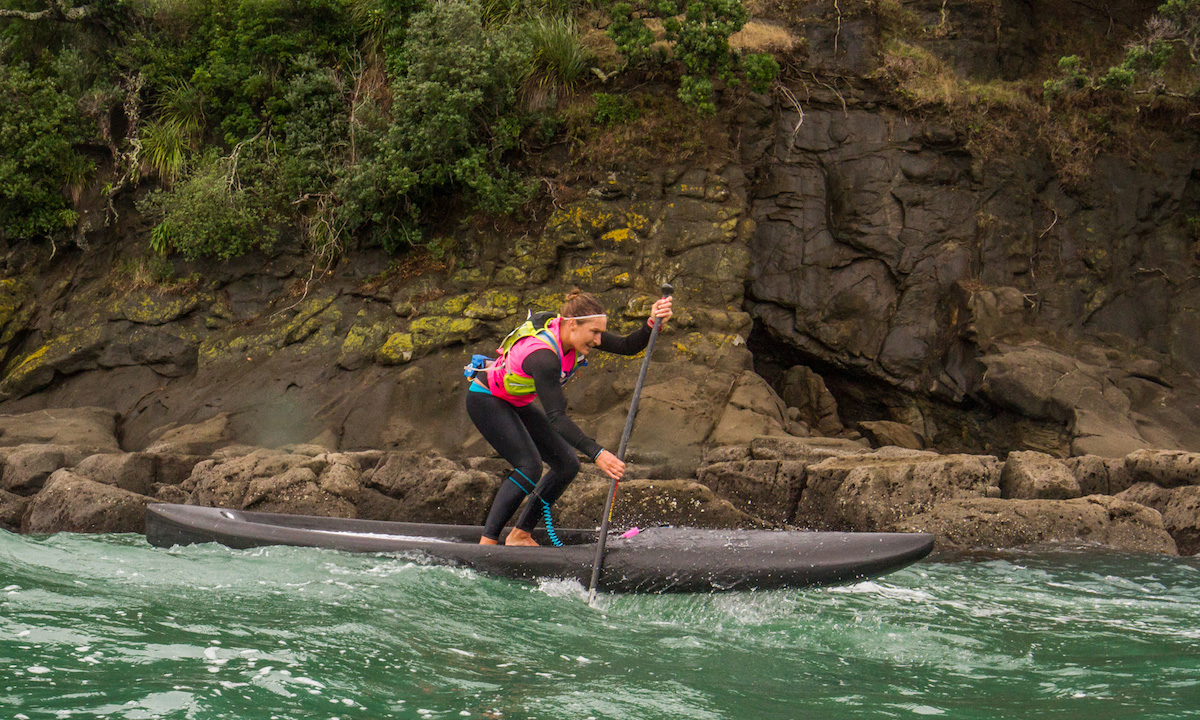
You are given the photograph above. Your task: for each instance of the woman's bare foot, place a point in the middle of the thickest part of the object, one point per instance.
(488, 541)
(520, 537)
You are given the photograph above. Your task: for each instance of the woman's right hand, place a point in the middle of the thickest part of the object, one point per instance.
(610, 464)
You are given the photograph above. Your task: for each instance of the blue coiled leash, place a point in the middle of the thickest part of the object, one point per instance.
(550, 524)
(545, 505)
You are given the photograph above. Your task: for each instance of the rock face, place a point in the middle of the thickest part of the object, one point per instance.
(86, 428)
(884, 245)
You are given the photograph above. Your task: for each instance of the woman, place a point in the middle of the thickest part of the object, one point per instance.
(535, 361)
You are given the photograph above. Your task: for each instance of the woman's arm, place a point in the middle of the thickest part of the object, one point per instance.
(636, 341)
(545, 368)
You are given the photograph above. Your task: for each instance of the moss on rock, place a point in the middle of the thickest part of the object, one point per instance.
(362, 342)
(69, 352)
(16, 308)
(146, 307)
(439, 331)
(396, 350)
(493, 305)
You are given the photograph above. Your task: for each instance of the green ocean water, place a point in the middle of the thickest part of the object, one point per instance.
(107, 626)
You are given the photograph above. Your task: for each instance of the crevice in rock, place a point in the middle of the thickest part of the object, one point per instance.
(968, 427)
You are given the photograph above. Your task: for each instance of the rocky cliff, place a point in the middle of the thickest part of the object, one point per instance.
(852, 269)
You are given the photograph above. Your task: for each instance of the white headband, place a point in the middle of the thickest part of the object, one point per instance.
(585, 317)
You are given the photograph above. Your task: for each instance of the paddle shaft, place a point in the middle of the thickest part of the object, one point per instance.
(598, 563)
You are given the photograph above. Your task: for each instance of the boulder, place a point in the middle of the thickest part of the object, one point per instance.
(27, 467)
(12, 509)
(870, 491)
(275, 481)
(1030, 475)
(201, 438)
(994, 523)
(89, 428)
(134, 472)
(805, 390)
(72, 503)
(882, 433)
(767, 489)
(301, 491)
(753, 410)
(1180, 510)
(1167, 468)
(1099, 475)
(430, 488)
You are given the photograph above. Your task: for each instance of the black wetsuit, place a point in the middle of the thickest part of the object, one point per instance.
(528, 436)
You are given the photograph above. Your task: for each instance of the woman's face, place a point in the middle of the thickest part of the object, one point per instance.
(583, 335)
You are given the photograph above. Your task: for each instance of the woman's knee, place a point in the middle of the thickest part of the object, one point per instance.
(530, 471)
(567, 466)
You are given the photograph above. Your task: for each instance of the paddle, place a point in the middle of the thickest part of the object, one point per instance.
(598, 563)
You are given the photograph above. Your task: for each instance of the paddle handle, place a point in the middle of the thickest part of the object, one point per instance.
(598, 563)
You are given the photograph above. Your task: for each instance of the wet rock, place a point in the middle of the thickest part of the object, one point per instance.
(72, 503)
(298, 491)
(1099, 476)
(27, 467)
(1029, 475)
(12, 509)
(1180, 510)
(134, 472)
(882, 433)
(1164, 467)
(202, 438)
(993, 523)
(89, 428)
(871, 491)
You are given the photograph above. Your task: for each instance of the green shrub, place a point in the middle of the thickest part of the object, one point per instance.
(699, 42)
(454, 107)
(558, 56)
(614, 109)
(39, 127)
(761, 69)
(214, 212)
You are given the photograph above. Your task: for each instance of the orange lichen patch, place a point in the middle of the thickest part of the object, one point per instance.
(763, 36)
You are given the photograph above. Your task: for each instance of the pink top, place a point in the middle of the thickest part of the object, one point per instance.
(514, 363)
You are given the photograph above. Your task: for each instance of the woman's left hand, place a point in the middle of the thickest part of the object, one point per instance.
(662, 309)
